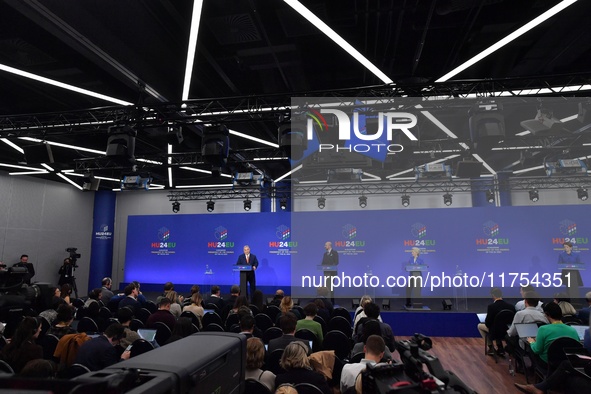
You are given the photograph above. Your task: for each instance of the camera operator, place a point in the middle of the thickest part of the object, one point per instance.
(374, 352)
(24, 262)
(66, 272)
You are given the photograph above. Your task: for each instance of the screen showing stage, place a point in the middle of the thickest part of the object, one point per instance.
(461, 249)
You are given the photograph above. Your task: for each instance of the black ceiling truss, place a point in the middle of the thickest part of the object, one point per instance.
(256, 108)
(389, 188)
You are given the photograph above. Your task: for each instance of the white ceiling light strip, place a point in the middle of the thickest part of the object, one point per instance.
(525, 28)
(71, 182)
(29, 173)
(12, 145)
(372, 177)
(288, 173)
(20, 167)
(431, 162)
(49, 168)
(74, 147)
(196, 170)
(528, 169)
(62, 85)
(484, 163)
(314, 20)
(249, 137)
(196, 18)
(204, 186)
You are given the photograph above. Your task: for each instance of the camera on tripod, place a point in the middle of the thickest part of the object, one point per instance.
(73, 256)
(409, 376)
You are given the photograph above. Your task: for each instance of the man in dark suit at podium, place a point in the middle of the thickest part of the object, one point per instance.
(248, 258)
(330, 257)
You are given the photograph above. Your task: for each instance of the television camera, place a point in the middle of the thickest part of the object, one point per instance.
(409, 376)
(73, 256)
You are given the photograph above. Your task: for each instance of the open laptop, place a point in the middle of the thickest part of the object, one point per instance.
(481, 317)
(581, 331)
(148, 334)
(526, 330)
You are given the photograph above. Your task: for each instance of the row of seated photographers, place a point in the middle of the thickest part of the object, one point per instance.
(318, 348)
(557, 347)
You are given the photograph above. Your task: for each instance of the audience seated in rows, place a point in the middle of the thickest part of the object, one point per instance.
(255, 357)
(285, 307)
(492, 311)
(94, 296)
(563, 302)
(66, 293)
(372, 312)
(124, 316)
(182, 329)
(297, 368)
(131, 293)
(584, 312)
(530, 314)
(63, 322)
(195, 306)
(520, 305)
(279, 294)
(247, 325)
(56, 298)
(287, 323)
(371, 327)
(106, 290)
(22, 347)
(176, 300)
(258, 300)
(308, 322)
(359, 313)
(100, 352)
(163, 315)
(322, 311)
(215, 299)
(373, 349)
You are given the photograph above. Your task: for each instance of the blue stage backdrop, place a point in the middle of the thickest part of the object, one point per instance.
(473, 248)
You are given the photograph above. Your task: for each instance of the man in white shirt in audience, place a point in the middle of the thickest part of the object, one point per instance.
(521, 304)
(529, 315)
(374, 351)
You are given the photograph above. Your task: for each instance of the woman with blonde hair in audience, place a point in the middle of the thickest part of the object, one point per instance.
(255, 358)
(287, 306)
(297, 368)
(195, 307)
(286, 388)
(175, 302)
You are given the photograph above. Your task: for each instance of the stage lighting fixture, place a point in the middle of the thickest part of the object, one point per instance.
(447, 199)
(363, 201)
(247, 204)
(534, 196)
(405, 200)
(582, 194)
(321, 202)
(283, 204)
(490, 196)
(176, 206)
(210, 206)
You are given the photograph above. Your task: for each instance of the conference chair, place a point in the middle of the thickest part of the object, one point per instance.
(49, 343)
(78, 303)
(272, 333)
(341, 324)
(340, 311)
(192, 316)
(320, 320)
(140, 346)
(255, 310)
(105, 313)
(252, 386)
(136, 324)
(263, 321)
(142, 314)
(162, 332)
(6, 368)
(307, 388)
(556, 355)
(497, 332)
(273, 311)
(87, 325)
(151, 306)
(308, 335)
(356, 358)
(272, 362)
(211, 317)
(45, 325)
(339, 342)
(213, 327)
(233, 318)
(74, 371)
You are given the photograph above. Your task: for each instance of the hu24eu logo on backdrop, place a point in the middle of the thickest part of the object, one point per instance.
(493, 243)
(103, 232)
(283, 233)
(568, 230)
(349, 232)
(419, 232)
(164, 244)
